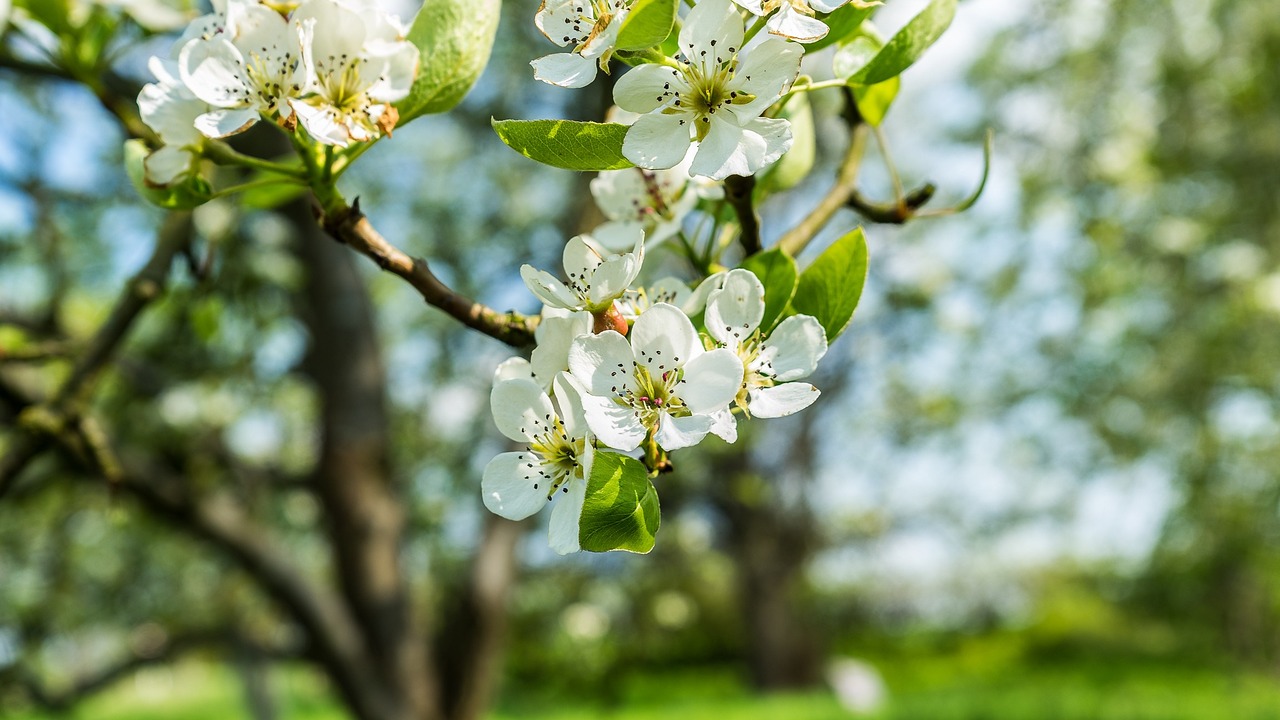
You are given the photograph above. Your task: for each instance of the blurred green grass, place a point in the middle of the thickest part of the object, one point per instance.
(929, 689)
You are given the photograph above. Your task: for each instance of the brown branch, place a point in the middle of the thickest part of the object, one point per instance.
(350, 226)
(739, 192)
(892, 213)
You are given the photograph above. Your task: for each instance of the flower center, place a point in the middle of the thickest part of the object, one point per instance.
(655, 394)
(561, 458)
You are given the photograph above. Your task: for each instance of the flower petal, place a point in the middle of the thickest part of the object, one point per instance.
(223, 123)
(663, 339)
(511, 369)
(548, 289)
(646, 88)
(566, 517)
(521, 410)
(735, 310)
(728, 150)
(712, 30)
(658, 141)
(554, 336)
(675, 433)
(711, 381)
(617, 426)
(793, 349)
(567, 70)
(603, 363)
(511, 485)
(166, 164)
(570, 402)
(766, 72)
(565, 22)
(581, 257)
(618, 236)
(724, 425)
(790, 23)
(211, 69)
(781, 400)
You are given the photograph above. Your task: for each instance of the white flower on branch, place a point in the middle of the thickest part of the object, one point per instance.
(774, 362)
(662, 384)
(357, 63)
(712, 96)
(596, 276)
(556, 461)
(170, 109)
(246, 69)
(655, 200)
(795, 18)
(590, 27)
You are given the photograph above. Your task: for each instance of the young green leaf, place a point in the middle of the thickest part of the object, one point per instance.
(909, 44)
(829, 289)
(567, 144)
(647, 24)
(874, 100)
(843, 23)
(455, 38)
(778, 274)
(798, 161)
(194, 191)
(620, 511)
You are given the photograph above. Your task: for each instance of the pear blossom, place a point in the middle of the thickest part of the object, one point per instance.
(246, 68)
(556, 461)
(554, 334)
(669, 290)
(357, 63)
(655, 200)
(662, 384)
(713, 96)
(596, 276)
(774, 362)
(795, 18)
(590, 27)
(170, 109)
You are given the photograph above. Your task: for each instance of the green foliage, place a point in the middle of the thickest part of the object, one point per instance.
(851, 57)
(194, 191)
(456, 38)
(830, 288)
(843, 24)
(621, 508)
(798, 161)
(904, 48)
(649, 23)
(778, 274)
(567, 144)
(874, 100)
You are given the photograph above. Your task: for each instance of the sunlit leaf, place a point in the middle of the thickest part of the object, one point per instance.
(829, 289)
(648, 24)
(455, 38)
(620, 511)
(567, 144)
(908, 44)
(778, 274)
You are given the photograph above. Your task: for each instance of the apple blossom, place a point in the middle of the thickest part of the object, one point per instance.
(590, 26)
(712, 96)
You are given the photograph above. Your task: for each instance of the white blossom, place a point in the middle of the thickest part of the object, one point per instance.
(655, 200)
(795, 18)
(662, 384)
(669, 290)
(774, 362)
(590, 27)
(596, 276)
(248, 68)
(554, 334)
(170, 109)
(556, 461)
(713, 96)
(357, 63)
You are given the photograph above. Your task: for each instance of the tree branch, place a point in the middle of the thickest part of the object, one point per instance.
(845, 186)
(350, 226)
(739, 191)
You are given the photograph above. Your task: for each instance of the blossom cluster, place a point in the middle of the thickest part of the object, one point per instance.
(330, 67)
(711, 98)
(621, 367)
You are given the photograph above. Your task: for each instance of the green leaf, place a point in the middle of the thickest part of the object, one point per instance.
(798, 161)
(874, 100)
(193, 191)
(778, 274)
(843, 23)
(455, 38)
(909, 44)
(648, 24)
(620, 511)
(829, 289)
(268, 197)
(854, 54)
(566, 144)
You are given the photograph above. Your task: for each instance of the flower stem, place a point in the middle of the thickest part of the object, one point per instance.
(222, 154)
(754, 30)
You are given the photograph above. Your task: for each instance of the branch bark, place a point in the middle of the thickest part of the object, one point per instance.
(739, 192)
(796, 239)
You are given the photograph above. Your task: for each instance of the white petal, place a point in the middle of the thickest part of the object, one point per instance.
(567, 70)
(663, 339)
(566, 517)
(338, 37)
(511, 369)
(569, 399)
(781, 400)
(827, 5)
(521, 410)
(554, 336)
(711, 381)
(776, 134)
(724, 425)
(735, 310)
(612, 278)
(581, 257)
(224, 123)
(766, 72)
(322, 122)
(796, 25)
(697, 302)
(617, 426)
(794, 348)
(646, 88)
(603, 363)
(658, 141)
(558, 19)
(211, 69)
(675, 433)
(618, 236)
(511, 488)
(396, 79)
(548, 289)
(166, 164)
(728, 150)
(755, 7)
(713, 28)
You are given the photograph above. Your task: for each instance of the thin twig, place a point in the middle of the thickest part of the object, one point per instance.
(846, 183)
(739, 191)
